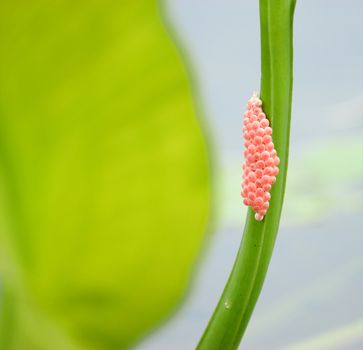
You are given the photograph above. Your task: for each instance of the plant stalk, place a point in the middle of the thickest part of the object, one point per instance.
(233, 312)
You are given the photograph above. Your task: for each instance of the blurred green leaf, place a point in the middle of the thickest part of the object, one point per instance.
(335, 339)
(325, 179)
(104, 190)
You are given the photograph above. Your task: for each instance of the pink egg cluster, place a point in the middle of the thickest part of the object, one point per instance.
(261, 160)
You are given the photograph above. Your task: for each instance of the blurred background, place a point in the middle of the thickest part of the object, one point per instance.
(110, 127)
(312, 297)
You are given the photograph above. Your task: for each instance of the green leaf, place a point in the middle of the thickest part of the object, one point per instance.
(232, 314)
(104, 190)
(325, 179)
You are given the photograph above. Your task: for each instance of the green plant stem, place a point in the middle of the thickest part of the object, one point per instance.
(232, 314)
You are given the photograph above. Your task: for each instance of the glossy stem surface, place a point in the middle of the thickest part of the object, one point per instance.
(232, 314)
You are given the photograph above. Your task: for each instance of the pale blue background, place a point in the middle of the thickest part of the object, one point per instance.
(312, 298)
